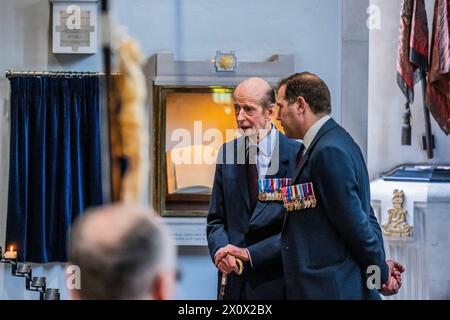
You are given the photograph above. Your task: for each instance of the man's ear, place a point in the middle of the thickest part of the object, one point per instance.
(301, 105)
(164, 286)
(270, 111)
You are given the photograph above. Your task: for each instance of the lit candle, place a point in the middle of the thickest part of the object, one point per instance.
(11, 254)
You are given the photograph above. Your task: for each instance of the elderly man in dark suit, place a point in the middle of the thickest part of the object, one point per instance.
(332, 242)
(239, 224)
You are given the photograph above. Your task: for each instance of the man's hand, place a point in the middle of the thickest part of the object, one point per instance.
(220, 254)
(240, 253)
(395, 279)
(225, 258)
(227, 265)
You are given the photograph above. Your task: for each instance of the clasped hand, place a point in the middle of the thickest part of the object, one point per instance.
(225, 258)
(395, 279)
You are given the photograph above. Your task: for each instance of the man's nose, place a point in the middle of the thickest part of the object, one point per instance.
(241, 115)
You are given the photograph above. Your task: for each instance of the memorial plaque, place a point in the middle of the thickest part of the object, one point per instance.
(75, 28)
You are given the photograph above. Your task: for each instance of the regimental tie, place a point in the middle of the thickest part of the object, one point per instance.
(299, 156)
(251, 171)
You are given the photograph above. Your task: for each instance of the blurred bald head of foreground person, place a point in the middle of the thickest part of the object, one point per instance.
(124, 252)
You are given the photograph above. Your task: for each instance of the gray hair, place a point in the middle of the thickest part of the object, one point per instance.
(127, 268)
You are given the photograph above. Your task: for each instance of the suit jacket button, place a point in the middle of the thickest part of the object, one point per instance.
(286, 248)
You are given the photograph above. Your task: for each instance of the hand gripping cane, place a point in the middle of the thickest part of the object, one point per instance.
(223, 282)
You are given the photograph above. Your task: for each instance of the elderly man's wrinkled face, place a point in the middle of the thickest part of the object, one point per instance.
(250, 115)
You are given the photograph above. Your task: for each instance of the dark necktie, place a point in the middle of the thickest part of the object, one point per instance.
(252, 175)
(299, 156)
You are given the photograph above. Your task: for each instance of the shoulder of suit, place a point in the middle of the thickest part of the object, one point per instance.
(224, 147)
(291, 143)
(336, 139)
(335, 134)
(230, 145)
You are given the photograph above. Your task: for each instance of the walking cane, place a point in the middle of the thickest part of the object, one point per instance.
(223, 282)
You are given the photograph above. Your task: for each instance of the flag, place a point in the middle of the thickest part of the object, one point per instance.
(413, 46)
(412, 57)
(438, 85)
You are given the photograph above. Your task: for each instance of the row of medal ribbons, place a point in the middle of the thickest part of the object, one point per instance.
(270, 189)
(297, 197)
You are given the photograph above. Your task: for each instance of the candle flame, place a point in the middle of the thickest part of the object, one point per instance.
(11, 248)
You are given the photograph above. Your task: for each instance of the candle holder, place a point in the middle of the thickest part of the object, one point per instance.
(22, 270)
(52, 294)
(13, 262)
(36, 284)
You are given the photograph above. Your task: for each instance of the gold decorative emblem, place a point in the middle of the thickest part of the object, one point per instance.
(225, 61)
(397, 226)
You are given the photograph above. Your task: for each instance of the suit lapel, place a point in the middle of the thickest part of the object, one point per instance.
(329, 125)
(302, 163)
(260, 206)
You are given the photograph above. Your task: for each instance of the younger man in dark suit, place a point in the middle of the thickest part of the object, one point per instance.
(331, 237)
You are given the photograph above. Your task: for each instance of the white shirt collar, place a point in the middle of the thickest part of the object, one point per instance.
(266, 145)
(312, 132)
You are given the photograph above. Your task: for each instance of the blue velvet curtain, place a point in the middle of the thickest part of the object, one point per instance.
(55, 167)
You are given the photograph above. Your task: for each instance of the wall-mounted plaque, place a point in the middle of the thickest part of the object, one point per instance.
(75, 27)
